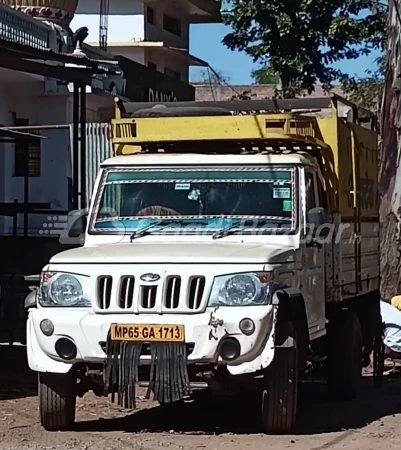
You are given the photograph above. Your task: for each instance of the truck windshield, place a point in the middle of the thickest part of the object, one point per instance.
(206, 198)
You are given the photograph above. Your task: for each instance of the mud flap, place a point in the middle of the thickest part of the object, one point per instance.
(169, 380)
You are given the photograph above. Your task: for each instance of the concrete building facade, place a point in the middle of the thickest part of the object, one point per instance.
(154, 33)
(147, 39)
(31, 100)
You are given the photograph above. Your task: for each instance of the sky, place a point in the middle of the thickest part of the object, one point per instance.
(205, 43)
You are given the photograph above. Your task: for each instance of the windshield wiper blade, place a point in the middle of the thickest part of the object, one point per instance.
(184, 221)
(144, 231)
(139, 233)
(225, 231)
(230, 229)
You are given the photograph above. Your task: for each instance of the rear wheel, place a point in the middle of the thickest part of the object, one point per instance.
(378, 361)
(344, 356)
(280, 396)
(57, 400)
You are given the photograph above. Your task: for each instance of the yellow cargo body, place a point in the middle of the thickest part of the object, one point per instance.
(352, 157)
(348, 151)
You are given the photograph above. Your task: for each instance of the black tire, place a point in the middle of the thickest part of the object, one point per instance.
(302, 345)
(57, 401)
(344, 356)
(378, 362)
(280, 397)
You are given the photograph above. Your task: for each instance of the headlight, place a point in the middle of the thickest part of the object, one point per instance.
(243, 289)
(63, 289)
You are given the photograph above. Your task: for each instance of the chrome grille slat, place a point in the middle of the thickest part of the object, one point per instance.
(173, 291)
(127, 292)
(105, 284)
(196, 291)
(148, 297)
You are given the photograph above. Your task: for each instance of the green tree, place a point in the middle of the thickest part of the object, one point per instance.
(264, 76)
(368, 91)
(300, 40)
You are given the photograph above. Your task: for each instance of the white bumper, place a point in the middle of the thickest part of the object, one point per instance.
(88, 330)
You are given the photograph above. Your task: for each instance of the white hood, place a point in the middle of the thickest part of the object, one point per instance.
(176, 252)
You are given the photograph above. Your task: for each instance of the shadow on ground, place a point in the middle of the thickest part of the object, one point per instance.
(316, 413)
(16, 379)
(219, 415)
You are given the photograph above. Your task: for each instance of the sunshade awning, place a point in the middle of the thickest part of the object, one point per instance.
(11, 136)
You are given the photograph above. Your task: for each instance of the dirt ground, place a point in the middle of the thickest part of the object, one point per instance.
(372, 422)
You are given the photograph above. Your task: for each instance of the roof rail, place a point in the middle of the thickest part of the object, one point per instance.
(124, 110)
(271, 105)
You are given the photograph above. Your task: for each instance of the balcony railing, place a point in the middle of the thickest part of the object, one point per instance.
(18, 27)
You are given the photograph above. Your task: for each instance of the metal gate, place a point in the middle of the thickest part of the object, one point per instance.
(99, 147)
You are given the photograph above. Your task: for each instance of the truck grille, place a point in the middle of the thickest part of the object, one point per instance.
(148, 297)
(196, 290)
(104, 289)
(127, 292)
(172, 297)
(130, 294)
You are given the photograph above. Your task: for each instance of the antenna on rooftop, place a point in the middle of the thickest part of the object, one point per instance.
(104, 23)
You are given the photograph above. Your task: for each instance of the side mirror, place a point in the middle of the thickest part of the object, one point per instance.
(317, 220)
(30, 300)
(78, 228)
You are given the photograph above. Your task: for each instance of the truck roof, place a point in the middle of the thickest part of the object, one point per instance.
(197, 158)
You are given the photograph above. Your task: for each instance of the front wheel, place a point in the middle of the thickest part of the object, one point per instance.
(57, 400)
(280, 396)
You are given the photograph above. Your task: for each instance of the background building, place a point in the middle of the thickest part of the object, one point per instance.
(209, 92)
(31, 100)
(148, 41)
(154, 33)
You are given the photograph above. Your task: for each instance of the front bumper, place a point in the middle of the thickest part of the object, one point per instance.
(203, 331)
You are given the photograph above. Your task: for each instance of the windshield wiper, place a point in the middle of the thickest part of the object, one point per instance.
(143, 231)
(230, 228)
(225, 231)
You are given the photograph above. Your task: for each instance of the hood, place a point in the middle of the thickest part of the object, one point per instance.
(171, 252)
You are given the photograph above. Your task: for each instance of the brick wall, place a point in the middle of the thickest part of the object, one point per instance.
(214, 92)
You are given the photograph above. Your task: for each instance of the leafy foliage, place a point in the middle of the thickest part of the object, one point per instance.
(264, 75)
(301, 39)
(368, 91)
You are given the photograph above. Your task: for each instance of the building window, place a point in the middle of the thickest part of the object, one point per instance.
(150, 14)
(27, 154)
(172, 25)
(172, 73)
(152, 65)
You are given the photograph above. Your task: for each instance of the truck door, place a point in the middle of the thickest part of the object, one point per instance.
(313, 262)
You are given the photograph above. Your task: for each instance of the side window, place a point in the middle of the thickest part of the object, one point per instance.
(310, 192)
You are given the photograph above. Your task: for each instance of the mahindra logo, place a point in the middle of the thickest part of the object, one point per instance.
(149, 277)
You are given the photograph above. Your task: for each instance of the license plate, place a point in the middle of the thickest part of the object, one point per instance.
(147, 333)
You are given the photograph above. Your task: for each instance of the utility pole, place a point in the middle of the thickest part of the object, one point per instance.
(104, 23)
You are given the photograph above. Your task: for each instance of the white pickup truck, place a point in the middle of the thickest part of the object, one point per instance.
(227, 262)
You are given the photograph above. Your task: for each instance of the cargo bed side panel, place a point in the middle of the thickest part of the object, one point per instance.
(363, 277)
(358, 152)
